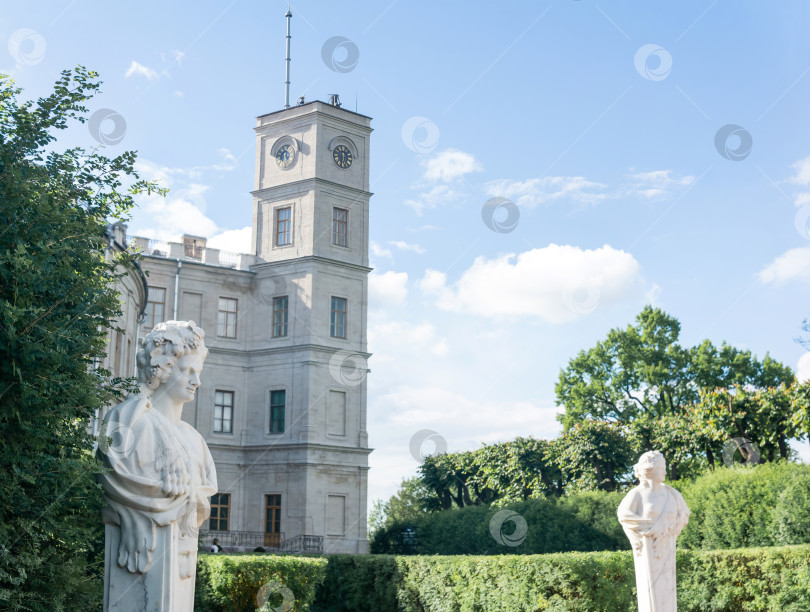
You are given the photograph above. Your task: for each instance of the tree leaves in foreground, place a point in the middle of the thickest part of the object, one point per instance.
(56, 299)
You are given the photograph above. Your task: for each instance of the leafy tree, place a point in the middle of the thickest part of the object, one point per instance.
(56, 297)
(510, 471)
(763, 416)
(644, 379)
(413, 499)
(593, 455)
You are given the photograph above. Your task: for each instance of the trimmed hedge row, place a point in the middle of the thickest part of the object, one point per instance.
(708, 581)
(766, 505)
(582, 522)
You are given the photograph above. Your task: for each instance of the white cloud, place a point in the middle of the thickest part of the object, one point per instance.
(433, 282)
(406, 246)
(176, 55)
(802, 175)
(450, 165)
(183, 211)
(656, 183)
(555, 284)
(533, 192)
(410, 339)
(388, 289)
(803, 367)
(438, 195)
(235, 241)
(380, 251)
(792, 265)
(136, 69)
(536, 191)
(800, 199)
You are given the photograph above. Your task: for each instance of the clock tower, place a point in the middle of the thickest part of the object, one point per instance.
(309, 329)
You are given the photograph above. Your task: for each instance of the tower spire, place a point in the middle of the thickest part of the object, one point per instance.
(287, 81)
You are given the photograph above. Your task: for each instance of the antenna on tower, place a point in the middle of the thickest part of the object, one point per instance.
(287, 81)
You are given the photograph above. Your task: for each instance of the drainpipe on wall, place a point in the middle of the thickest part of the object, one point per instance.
(176, 287)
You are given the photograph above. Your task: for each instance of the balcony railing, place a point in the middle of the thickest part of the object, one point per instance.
(271, 542)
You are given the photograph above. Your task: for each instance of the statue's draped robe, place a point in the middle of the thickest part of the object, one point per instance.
(654, 555)
(145, 446)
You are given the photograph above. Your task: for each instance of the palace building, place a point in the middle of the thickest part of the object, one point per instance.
(282, 403)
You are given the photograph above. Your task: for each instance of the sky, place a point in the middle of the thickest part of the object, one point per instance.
(541, 171)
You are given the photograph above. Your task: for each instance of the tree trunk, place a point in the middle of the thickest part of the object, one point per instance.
(710, 457)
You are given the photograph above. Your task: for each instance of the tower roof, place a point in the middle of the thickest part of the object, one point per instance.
(310, 103)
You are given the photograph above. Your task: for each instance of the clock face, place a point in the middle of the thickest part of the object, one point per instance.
(342, 156)
(285, 156)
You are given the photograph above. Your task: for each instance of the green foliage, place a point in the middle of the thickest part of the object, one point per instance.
(233, 583)
(584, 522)
(593, 455)
(56, 295)
(708, 581)
(643, 379)
(523, 468)
(739, 507)
(411, 501)
(791, 516)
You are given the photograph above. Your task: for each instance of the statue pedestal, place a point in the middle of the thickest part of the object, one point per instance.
(168, 584)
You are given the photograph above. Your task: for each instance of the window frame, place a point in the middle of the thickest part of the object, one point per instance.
(272, 518)
(221, 430)
(285, 316)
(277, 231)
(270, 407)
(337, 224)
(150, 307)
(334, 314)
(227, 314)
(216, 504)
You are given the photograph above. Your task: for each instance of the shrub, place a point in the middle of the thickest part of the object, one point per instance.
(739, 507)
(792, 513)
(765, 505)
(708, 581)
(232, 582)
(585, 521)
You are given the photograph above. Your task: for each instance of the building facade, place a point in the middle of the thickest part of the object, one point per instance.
(282, 403)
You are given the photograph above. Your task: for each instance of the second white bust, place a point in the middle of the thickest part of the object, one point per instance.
(160, 479)
(653, 514)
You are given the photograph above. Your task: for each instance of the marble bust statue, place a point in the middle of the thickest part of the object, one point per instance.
(159, 479)
(652, 515)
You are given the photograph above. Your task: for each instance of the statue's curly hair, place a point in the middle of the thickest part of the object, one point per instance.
(163, 346)
(648, 462)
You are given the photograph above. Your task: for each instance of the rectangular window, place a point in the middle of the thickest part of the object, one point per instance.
(283, 226)
(226, 321)
(155, 306)
(278, 401)
(223, 411)
(272, 520)
(280, 305)
(220, 512)
(340, 226)
(337, 327)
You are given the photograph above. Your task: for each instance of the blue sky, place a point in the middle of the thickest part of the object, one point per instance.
(597, 121)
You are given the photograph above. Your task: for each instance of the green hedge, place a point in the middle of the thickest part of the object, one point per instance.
(582, 522)
(232, 583)
(765, 505)
(708, 581)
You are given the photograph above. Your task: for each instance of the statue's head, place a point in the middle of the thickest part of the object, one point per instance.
(172, 355)
(651, 466)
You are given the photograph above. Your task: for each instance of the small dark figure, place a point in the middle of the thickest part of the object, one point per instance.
(215, 547)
